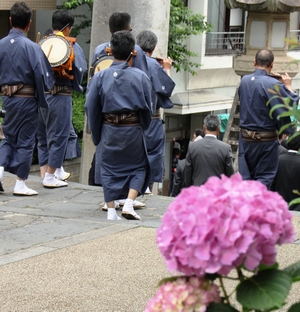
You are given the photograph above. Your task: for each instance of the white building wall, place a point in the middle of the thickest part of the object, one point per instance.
(197, 45)
(294, 20)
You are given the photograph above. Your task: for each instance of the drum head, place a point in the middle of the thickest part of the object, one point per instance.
(102, 63)
(56, 48)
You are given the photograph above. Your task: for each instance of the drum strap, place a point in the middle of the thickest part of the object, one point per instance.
(61, 90)
(19, 90)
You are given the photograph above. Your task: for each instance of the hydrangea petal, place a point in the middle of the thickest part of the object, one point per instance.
(224, 223)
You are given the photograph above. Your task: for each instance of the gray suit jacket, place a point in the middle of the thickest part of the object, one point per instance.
(206, 158)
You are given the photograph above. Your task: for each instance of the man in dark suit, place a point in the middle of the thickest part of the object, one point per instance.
(282, 147)
(179, 178)
(209, 156)
(288, 173)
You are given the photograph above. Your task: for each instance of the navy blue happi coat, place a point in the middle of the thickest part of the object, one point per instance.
(22, 61)
(259, 160)
(163, 86)
(121, 155)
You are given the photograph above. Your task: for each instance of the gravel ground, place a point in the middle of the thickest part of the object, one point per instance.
(118, 272)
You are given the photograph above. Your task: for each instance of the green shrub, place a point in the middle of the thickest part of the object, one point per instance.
(78, 112)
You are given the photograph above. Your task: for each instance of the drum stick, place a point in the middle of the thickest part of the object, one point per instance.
(160, 59)
(276, 76)
(64, 27)
(49, 50)
(38, 36)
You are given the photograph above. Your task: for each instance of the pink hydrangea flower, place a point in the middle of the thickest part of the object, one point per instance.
(223, 224)
(184, 295)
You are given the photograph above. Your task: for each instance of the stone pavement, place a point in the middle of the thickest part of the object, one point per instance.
(59, 253)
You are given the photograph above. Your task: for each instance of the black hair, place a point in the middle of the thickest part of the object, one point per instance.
(176, 151)
(294, 144)
(48, 32)
(147, 40)
(122, 44)
(119, 21)
(61, 19)
(199, 132)
(212, 122)
(20, 14)
(264, 58)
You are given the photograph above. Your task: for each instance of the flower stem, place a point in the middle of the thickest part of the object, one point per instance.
(240, 274)
(224, 290)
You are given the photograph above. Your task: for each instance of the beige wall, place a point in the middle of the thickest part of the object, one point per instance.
(4, 23)
(34, 4)
(5, 26)
(5, 6)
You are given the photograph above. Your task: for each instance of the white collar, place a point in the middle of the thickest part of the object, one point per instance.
(211, 135)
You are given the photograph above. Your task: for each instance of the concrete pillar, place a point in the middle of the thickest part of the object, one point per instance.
(145, 15)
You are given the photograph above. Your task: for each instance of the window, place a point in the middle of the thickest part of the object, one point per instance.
(227, 34)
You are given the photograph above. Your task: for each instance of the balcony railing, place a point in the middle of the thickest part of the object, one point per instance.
(231, 43)
(225, 43)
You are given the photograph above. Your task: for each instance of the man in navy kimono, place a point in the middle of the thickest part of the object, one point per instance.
(118, 108)
(258, 142)
(25, 74)
(73, 148)
(56, 121)
(121, 21)
(117, 21)
(163, 85)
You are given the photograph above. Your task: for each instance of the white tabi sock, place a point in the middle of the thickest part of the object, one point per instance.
(20, 185)
(128, 206)
(21, 189)
(59, 171)
(48, 176)
(112, 214)
(1, 173)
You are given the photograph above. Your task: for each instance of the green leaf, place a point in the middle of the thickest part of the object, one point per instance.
(169, 279)
(294, 201)
(285, 114)
(285, 127)
(276, 87)
(220, 307)
(263, 267)
(275, 107)
(273, 97)
(184, 23)
(296, 192)
(266, 290)
(295, 307)
(293, 136)
(293, 270)
(273, 91)
(287, 101)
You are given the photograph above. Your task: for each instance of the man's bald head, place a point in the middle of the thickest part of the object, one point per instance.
(264, 58)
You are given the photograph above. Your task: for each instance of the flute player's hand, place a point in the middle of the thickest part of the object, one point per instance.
(166, 63)
(287, 81)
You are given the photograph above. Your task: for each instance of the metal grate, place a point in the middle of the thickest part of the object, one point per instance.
(222, 43)
(228, 43)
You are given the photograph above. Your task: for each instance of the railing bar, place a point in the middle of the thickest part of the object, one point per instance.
(220, 43)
